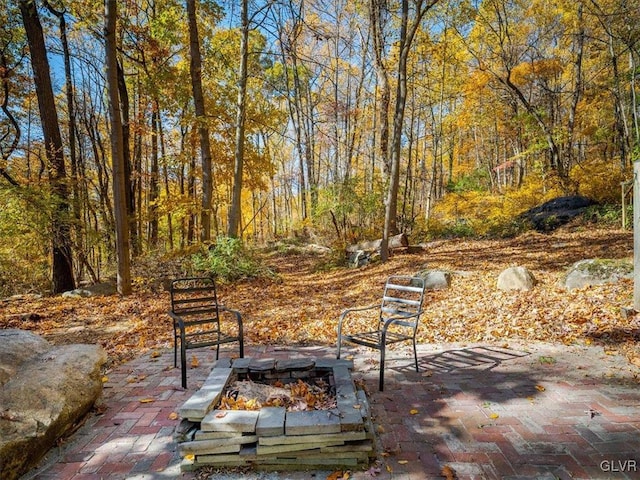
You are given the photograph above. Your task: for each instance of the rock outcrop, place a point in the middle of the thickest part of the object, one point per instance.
(45, 391)
(516, 278)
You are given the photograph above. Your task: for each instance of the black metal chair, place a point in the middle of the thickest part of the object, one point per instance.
(197, 318)
(398, 317)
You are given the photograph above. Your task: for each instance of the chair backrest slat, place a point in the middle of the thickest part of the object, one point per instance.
(403, 297)
(195, 295)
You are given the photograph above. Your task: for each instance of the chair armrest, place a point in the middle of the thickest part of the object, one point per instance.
(236, 314)
(393, 320)
(346, 312)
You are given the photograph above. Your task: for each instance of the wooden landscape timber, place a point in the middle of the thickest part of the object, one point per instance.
(395, 242)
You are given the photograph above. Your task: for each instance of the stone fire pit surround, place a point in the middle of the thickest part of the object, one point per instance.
(272, 438)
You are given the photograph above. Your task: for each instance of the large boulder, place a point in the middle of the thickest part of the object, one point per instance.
(16, 347)
(435, 279)
(557, 212)
(516, 278)
(44, 398)
(596, 271)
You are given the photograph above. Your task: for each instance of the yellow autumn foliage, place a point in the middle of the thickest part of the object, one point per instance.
(599, 180)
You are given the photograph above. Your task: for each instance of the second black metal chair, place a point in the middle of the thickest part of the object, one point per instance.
(397, 319)
(197, 319)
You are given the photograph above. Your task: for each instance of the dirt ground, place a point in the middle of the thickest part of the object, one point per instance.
(302, 305)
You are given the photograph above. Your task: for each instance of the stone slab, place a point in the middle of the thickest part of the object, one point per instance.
(206, 447)
(220, 442)
(294, 447)
(200, 435)
(202, 401)
(308, 463)
(241, 421)
(271, 421)
(312, 422)
(362, 446)
(334, 362)
(295, 364)
(262, 365)
(291, 439)
(241, 365)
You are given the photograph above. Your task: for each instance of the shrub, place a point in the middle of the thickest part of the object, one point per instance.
(228, 260)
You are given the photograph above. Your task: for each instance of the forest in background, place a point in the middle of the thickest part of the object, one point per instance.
(255, 119)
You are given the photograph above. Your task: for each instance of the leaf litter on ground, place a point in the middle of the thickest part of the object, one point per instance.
(303, 304)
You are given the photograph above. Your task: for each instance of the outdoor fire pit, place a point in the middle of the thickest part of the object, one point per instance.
(294, 414)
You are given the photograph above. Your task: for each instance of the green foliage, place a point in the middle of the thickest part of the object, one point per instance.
(24, 256)
(609, 215)
(477, 180)
(228, 260)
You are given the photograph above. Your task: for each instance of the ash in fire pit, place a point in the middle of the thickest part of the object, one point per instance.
(296, 385)
(293, 414)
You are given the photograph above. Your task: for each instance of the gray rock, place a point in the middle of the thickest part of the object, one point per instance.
(94, 290)
(44, 399)
(16, 347)
(596, 272)
(78, 293)
(516, 278)
(435, 279)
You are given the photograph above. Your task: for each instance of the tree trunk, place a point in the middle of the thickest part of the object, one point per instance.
(117, 152)
(384, 97)
(62, 263)
(129, 167)
(195, 69)
(154, 175)
(235, 210)
(407, 34)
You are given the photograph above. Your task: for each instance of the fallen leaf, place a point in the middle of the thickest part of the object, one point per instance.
(194, 362)
(221, 414)
(105, 379)
(380, 429)
(403, 462)
(173, 416)
(389, 469)
(540, 388)
(190, 457)
(494, 416)
(448, 472)
(147, 400)
(155, 354)
(337, 475)
(357, 407)
(373, 471)
(413, 411)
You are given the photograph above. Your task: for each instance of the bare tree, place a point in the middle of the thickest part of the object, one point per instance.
(62, 262)
(408, 31)
(195, 70)
(117, 151)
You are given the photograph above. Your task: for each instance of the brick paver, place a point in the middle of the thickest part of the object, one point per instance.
(484, 412)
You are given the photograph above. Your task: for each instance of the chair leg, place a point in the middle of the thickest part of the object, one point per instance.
(183, 361)
(241, 347)
(415, 354)
(339, 347)
(381, 385)
(175, 347)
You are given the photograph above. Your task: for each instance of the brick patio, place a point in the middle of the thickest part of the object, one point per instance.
(485, 412)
